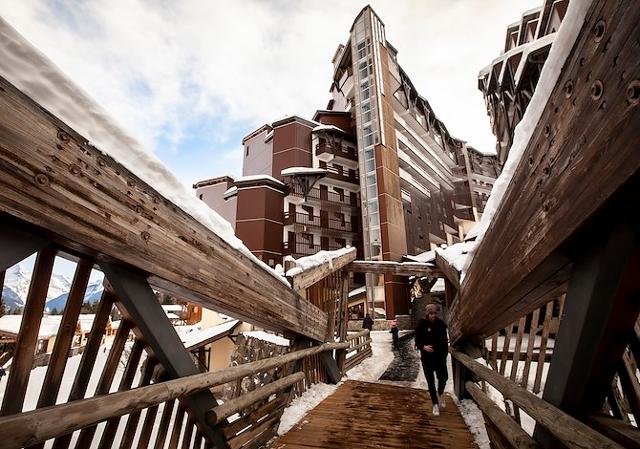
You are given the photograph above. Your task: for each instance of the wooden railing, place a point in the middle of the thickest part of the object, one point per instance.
(358, 350)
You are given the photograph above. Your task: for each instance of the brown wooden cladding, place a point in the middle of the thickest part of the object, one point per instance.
(291, 147)
(51, 178)
(589, 125)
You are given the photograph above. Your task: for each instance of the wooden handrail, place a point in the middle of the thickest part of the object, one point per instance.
(358, 334)
(26, 429)
(395, 268)
(306, 278)
(571, 432)
(221, 412)
(507, 426)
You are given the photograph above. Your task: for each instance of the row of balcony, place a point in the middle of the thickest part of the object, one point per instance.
(299, 249)
(321, 221)
(337, 150)
(352, 199)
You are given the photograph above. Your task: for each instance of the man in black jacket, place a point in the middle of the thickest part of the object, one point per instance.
(432, 342)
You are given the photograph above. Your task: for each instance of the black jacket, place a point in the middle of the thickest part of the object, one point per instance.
(432, 333)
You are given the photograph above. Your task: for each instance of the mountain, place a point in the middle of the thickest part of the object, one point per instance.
(18, 278)
(10, 299)
(92, 295)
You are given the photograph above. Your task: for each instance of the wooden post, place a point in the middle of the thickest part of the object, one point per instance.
(140, 304)
(589, 326)
(341, 354)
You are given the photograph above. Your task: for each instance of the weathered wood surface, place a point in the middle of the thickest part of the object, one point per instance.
(307, 278)
(221, 412)
(369, 415)
(624, 433)
(514, 434)
(583, 130)
(449, 272)
(52, 178)
(395, 268)
(36, 426)
(571, 432)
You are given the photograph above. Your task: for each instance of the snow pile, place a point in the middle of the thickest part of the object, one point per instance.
(265, 336)
(328, 128)
(30, 71)
(293, 171)
(252, 178)
(456, 255)
(210, 333)
(562, 45)
(426, 257)
(475, 422)
(301, 405)
(308, 262)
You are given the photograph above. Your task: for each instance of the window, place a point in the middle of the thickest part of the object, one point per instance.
(200, 196)
(247, 151)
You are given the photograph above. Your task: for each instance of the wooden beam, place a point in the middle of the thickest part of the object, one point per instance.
(140, 305)
(306, 278)
(616, 429)
(53, 179)
(394, 268)
(16, 245)
(553, 191)
(567, 429)
(514, 434)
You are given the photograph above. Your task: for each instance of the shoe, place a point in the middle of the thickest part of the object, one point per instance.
(436, 410)
(441, 401)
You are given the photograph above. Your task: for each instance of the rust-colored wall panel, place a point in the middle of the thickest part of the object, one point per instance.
(291, 147)
(343, 121)
(397, 297)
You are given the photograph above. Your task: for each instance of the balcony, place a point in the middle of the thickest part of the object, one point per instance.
(300, 249)
(349, 176)
(335, 150)
(319, 222)
(326, 196)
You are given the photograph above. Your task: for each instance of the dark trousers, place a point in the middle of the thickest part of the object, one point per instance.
(438, 366)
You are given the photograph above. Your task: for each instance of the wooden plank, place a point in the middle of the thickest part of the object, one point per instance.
(548, 201)
(232, 429)
(619, 431)
(567, 429)
(177, 427)
(514, 434)
(133, 419)
(16, 387)
(109, 432)
(88, 360)
(394, 268)
(630, 386)
(16, 244)
(147, 427)
(221, 412)
(548, 316)
(188, 433)
(306, 278)
(52, 178)
(505, 349)
(164, 424)
(106, 377)
(535, 316)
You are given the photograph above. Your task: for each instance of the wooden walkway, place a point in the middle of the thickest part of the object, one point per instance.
(372, 415)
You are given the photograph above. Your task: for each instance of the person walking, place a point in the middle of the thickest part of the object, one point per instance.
(367, 323)
(394, 334)
(432, 342)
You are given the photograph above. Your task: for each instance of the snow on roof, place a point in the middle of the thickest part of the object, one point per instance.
(305, 263)
(438, 286)
(207, 335)
(328, 128)
(115, 324)
(291, 171)
(264, 336)
(456, 254)
(268, 137)
(48, 326)
(172, 307)
(230, 192)
(172, 316)
(34, 74)
(259, 178)
(357, 291)
(86, 321)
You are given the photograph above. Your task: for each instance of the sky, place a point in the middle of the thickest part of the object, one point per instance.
(189, 79)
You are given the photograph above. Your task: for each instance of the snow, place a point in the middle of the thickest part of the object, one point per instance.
(456, 255)
(293, 171)
(230, 192)
(172, 307)
(30, 71)
(357, 291)
(562, 45)
(48, 326)
(265, 336)
(426, 257)
(259, 178)
(193, 338)
(308, 262)
(328, 128)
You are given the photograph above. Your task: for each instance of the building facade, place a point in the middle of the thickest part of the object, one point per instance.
(376, 169)
(509, 81)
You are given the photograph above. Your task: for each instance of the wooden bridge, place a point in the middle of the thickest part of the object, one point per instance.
(560, 258)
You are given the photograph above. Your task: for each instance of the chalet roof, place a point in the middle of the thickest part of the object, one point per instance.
(265, 336)
(208, 335)
(213, 181)
(266, 127)
(10, 325)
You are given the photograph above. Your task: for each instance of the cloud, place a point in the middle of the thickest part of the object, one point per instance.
(160, 67)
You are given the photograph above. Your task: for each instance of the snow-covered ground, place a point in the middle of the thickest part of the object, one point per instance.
(369, 371)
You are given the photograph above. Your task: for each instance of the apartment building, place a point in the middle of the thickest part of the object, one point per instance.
(509, 81)
(376, 169)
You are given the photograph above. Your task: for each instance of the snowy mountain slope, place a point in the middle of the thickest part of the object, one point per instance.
(10, 299)
(18, 278)
(92, 295)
